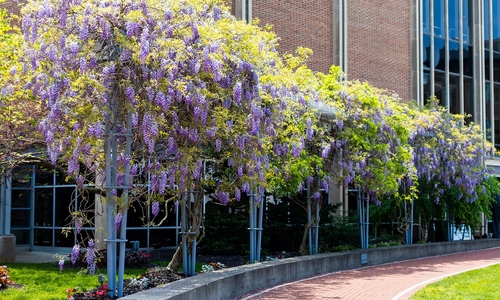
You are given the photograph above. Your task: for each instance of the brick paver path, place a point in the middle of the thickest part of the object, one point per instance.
(394, 281)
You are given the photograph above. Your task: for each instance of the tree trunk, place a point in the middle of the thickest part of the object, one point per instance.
(304, 248)
(195, 214)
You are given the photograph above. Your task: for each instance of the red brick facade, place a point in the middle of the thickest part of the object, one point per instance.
(306, 23)
(378, 37)
(379, 44)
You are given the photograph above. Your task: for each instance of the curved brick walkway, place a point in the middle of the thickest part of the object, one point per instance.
(390, 281)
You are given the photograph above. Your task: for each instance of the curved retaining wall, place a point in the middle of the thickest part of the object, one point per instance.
(237, 281)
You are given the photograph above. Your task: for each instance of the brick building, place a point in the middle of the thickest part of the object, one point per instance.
(414, 48)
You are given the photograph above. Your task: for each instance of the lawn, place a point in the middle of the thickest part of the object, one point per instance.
(477, 284)
(44, 281)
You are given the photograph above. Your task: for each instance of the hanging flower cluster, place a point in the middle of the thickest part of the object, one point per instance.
(369, 145)
(449, 152)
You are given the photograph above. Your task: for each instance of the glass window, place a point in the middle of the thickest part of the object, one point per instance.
(453, 18)
(166, 237)
(439, 53)
(467, 21)
(140, 235)
(86, 204)
(468, 60)
(496, 25)
(64, 198)
(21, 198)
(440, 87)
(20, 218)
(497, 115)
(21, 176)
(43, 237)
(425, 16)
(454, 94)
(44, 176)
(427, 87)
(487, 89)
(487, 64)
(454, 57)
(66, 239)
(496, 66)
(439, 18)
(22, 236)
(136, 215)
(43, 206)
(468, 99)
(427, 51)
(486, 23)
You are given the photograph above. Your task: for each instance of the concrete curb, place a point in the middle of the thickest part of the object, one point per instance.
(237, 281)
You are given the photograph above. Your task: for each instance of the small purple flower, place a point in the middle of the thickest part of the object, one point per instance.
(92, 269)
(316, 196)
(130, 93)
(61, 265)
(75, 253)
(90, 252)
(78, 224)
(155, 208)
(237, 194)
(118, 220)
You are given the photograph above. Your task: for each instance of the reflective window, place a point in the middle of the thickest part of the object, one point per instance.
(487, 98)
(440, 87)
(487, 64)
(425, 16)
(496, 104)
(453, 19)
(468, 98)
(439, 54)
(439, 18)
(43, 237)
(486, 23)
(466, 21)
(468, 60)
(496, 66)
(454, 57)
(496, 25)
(454, 94)
(427, 85)
(43, 206)
(21, 198)
(427, 51)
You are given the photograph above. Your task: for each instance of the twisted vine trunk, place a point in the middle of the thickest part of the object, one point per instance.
(194, 233)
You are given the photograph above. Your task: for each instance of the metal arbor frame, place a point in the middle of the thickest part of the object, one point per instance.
(111, 191)
(256, 214)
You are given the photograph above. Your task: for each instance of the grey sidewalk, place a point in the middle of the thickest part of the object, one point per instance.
(23, 256)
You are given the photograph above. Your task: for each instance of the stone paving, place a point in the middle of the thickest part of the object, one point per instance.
(394, 281)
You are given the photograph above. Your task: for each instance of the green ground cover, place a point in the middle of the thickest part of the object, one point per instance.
(477, 284)
(44, 281)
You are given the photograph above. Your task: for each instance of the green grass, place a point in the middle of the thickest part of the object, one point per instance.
(477, 284)
(44, 282)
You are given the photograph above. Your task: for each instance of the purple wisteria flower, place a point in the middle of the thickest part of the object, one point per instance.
(155, 208)
(118, 220)
(75, 252)
(78, 224)
(61, 265)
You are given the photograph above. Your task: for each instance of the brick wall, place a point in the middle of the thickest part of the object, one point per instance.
(306, 23)
(11, 6)
(378, 46)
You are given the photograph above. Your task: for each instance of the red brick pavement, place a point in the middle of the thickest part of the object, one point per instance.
(384, 282)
